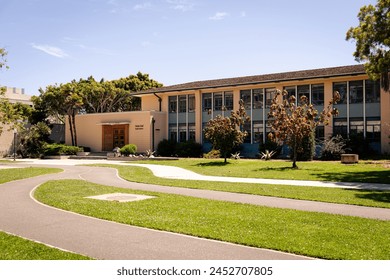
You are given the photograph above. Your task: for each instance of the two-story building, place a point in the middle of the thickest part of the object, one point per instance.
(180, 112)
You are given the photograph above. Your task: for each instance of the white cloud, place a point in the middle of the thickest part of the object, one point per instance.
(51, 50)
(142, 6)
(219, 16)
(181, 5)
(243, 14)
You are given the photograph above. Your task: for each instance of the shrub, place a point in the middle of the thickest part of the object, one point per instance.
(33, 140)
(270, 145)
(60, 149)
(332, 148)
(188, 149)
(212, 154)
(166, 148)
(129, 149)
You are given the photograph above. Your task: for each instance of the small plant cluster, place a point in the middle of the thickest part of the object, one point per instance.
(332, 148)
(169, 148)
(129, 149)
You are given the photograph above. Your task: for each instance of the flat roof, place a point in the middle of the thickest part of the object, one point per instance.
(259, 79)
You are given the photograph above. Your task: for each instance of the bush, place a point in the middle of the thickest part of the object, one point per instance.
(212, 154)
(33, 140)
(332, 148)
(166, 148)
(129, 149)
(60, 149)
(189, 149)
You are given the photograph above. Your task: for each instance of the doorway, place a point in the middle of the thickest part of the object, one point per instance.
(115, 136)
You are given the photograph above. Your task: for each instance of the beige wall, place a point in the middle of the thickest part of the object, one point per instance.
(6, 141)
(89, 128)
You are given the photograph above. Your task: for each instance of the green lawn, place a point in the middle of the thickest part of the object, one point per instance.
(7, 175)
(306, 233)
(334, 195)
(365, 171)
(16, 248)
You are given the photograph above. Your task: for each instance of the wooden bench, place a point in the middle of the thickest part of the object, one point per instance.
(349, 158)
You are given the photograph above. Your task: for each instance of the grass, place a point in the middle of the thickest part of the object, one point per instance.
(365, 171)
(333, 195)
(17, 248)
(7, 175)
(306, 233)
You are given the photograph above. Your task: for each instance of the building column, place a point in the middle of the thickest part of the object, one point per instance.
(385, 121)
(198, 116)
(328, 95)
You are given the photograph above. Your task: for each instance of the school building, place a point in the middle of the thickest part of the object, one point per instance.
(180, 112)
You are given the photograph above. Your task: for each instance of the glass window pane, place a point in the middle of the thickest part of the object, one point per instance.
(172, 104)
(317, 94)
(228, 95)
(372, 91)
(269, 95)
(356, 92)
(182, 103)
(207, 102)
(303, 91)
(245, 95)
(342, 89)
(258, 98)
(191, 103)
(218, 101)
(290, 92)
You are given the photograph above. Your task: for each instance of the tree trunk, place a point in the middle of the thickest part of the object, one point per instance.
(74, 128)
(71, 129)
(295, 154)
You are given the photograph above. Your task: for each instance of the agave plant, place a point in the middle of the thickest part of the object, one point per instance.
(267, 155)
(235, 155)
(149, 153)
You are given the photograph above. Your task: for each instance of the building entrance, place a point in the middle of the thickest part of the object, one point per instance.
(115, 136)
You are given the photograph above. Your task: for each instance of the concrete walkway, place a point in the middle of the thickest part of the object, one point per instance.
(106, 240)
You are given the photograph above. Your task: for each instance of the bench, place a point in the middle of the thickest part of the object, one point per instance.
(349, 158)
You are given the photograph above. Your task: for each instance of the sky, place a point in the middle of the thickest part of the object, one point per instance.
(174, 41)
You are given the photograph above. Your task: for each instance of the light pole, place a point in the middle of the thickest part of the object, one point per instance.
(15, 132)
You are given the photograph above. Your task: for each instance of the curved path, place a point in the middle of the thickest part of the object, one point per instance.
(107, 240)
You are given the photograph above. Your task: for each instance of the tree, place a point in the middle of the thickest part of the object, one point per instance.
(64, 100)
(372, 38)
(223, 132)
(292, 123)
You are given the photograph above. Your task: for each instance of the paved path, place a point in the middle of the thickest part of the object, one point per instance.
(106, 240)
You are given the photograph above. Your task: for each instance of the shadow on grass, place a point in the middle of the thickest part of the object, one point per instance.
(380, 176)
(380, 196)
(213, 163)
(284, 168)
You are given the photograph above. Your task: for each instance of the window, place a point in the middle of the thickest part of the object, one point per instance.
(320, 132)
(182, 103)
(191, 132)
(356, 126)
(228, 100)
(258, 98)
(245, 95)
(372, 91)
(172, 104)
(269, 95)
(173, 133)
(207, 102)
(258, 132)
(303, 90)
(191, 103)
(340, 127)
(373, 132)
(342, 89)
(317, 94)
(182, 133)
(290, 92)
(247, 128)
(356, 92)
(218, 101)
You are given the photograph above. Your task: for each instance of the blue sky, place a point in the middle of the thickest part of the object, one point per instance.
(175, 41)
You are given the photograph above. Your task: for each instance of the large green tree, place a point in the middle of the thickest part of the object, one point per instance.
(291, 122)
(372, 37)
(224, 133)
